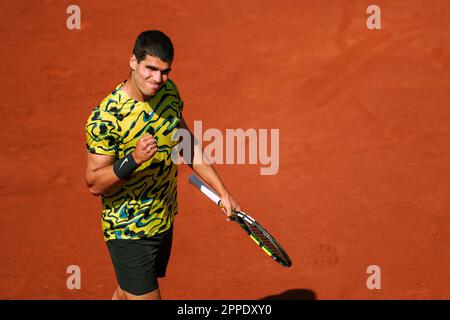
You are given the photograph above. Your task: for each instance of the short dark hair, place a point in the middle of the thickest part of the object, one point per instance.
(154, 43)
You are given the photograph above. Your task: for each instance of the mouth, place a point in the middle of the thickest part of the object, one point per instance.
(154, 86)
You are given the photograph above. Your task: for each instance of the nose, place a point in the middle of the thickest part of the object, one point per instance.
(157, 77)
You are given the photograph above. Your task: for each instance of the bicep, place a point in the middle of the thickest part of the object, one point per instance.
(196, 154)
(183, 125)
(95, 162)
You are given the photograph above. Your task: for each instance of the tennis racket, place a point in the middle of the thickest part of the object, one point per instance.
(255, 230)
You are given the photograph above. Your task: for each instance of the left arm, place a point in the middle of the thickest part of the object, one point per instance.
(200, 165)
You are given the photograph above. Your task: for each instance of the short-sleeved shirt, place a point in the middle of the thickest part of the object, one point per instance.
(144, 205)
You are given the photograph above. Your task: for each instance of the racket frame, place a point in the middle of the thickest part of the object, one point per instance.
(242, 218)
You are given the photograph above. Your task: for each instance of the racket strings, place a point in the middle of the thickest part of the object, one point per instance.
(266, 240)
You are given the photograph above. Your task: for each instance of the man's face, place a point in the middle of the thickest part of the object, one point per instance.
(150, 74)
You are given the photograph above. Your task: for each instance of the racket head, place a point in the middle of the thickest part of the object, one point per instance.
(262, 238)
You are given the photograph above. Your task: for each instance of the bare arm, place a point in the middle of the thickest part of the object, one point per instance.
(206, 171)
(100, 176)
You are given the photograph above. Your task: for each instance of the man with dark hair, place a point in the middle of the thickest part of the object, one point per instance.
(153, 43)
(130, 138)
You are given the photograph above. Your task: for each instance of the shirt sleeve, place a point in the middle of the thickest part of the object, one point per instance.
(179, 102)
(101, 133)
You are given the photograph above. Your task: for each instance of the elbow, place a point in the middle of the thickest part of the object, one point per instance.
(93, 189)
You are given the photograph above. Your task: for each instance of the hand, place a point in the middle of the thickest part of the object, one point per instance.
(145, 149)
(229, 203)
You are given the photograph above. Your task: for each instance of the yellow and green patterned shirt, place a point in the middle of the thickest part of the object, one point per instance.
(144, 205)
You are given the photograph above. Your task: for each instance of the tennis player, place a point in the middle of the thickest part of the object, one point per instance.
(129, 164)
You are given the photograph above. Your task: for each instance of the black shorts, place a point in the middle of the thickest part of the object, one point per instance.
(138, 263)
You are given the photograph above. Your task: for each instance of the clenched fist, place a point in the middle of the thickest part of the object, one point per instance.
(145, 149)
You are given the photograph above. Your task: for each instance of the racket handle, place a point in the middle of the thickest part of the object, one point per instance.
(207, 191)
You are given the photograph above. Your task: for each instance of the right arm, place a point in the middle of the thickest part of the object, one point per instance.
(100, 176)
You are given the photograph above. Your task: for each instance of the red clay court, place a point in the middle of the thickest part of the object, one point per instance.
(364, 124)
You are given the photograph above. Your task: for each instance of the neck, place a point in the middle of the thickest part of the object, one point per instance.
(133, 91)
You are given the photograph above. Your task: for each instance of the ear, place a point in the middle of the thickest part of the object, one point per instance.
(133, 62)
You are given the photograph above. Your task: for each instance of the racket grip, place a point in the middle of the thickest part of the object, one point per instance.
(207, 191)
